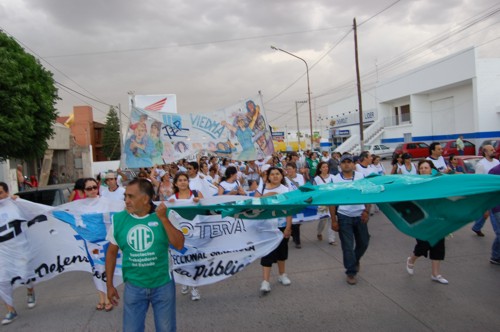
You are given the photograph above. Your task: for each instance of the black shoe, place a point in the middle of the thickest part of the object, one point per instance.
(298, 246)
(479, 233)
(495, 261)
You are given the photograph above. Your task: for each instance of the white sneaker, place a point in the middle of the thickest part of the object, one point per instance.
(409, 267)
(31, 300)
(9, 318)
(439, 279)
(265, 287)
(184, 290)
(195, 294)
(284, 280)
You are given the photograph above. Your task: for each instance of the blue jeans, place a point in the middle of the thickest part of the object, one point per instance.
(478, 224)
(136, 302)
(495, 223)
(354, 239)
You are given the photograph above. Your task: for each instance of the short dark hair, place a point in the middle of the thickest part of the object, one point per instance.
(145, 187)
(363, 155)
(5, 187)
(432, 147)
(291, 164)
(195, 165)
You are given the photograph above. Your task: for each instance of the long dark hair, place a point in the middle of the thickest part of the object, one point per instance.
(283, 181)
(318, 169)
(80, 184)
(230, 171)
(177, 176)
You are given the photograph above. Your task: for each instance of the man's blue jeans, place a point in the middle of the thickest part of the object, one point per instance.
(495, 248)
(479, 223)
(136, 302)
(354, 239)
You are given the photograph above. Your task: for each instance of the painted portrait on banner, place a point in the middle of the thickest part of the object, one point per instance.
(156, 137)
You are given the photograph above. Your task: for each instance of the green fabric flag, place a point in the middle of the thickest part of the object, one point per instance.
(424, 207)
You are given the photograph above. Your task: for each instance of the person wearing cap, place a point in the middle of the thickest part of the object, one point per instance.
(351, 222)
(112, 190)
(408, 168)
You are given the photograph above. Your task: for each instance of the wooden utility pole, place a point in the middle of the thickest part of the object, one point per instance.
(361, 134)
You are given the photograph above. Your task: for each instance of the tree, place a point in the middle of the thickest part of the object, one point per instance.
(27, 103)
(111, 135)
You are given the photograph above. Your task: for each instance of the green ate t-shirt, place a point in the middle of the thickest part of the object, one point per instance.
(144, 244)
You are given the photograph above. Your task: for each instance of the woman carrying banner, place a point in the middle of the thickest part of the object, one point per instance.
(437, 251)
(92, 191)
(6, 287)
(294, 181)
(183, 194)
(407, 168)
(323, 176)
(165, 188)
(276, 184)
(229, 184)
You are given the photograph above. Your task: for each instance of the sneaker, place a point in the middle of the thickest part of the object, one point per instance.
(284, 280)
(409, 267)
(195, 294)
(478, 233)
(332, 243)
(439, 279)
(31, 300)
(495, 261)
(184, 290)
(265, 287)
(351, 280)
(9, 318)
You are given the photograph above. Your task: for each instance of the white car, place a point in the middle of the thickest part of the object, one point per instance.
(381, 150)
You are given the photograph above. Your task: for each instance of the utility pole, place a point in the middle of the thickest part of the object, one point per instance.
(297, 116)
(361, 134)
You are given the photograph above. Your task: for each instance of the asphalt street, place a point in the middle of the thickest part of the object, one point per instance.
(386, 298)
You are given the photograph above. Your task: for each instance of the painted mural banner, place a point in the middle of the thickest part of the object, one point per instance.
(155, 137)
(424, 207)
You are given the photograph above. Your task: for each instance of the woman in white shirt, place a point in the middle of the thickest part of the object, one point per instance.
(182, 193)
(274, 185)
(323, 176)
(408, 168)
(229, 184)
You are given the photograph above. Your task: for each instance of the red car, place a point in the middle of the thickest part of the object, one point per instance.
(415, 149)
(450, 147)
(494, 142)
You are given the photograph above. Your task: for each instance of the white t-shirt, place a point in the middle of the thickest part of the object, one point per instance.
(319, 180)
(278, 190)
(117, 195)
(349, 210)
(484, 165)
(439, 163)
(365, 170)
(228, 187)
(296, 182)
(412, 171)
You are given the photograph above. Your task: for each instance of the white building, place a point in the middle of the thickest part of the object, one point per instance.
(459, 94)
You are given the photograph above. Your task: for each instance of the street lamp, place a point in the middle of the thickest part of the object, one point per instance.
(308, 90)
(297, 115)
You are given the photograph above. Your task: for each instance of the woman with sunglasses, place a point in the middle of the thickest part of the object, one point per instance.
(92, 191)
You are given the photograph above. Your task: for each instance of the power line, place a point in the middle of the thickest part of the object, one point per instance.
(220, 41)
(51, 65)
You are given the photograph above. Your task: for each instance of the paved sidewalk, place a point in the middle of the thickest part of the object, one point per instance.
(386, 298)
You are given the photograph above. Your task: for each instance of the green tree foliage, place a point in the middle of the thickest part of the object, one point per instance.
(111, 135)
(27, 103)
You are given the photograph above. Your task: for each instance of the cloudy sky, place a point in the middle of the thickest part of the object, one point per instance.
(213, 53)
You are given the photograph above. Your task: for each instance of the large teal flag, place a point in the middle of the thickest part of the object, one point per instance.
(424, 207)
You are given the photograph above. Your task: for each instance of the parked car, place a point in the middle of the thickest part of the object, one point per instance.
(415, 149)
(468, 163)
(52, 195)
(450, 147)
(380, 150)
(494, 142)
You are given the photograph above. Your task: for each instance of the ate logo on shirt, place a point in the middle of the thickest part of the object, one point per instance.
(140, 238)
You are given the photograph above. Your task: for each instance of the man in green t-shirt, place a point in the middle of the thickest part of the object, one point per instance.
(143, 233)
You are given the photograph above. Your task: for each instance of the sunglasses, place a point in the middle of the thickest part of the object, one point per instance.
(91, 188)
